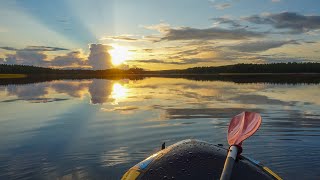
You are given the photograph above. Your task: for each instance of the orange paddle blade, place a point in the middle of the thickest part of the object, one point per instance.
(243, 126)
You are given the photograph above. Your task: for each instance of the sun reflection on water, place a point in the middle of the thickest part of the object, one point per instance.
(119, 92)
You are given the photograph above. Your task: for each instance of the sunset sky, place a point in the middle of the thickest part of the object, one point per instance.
(150, 34)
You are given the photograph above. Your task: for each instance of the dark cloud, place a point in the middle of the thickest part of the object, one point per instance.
(228, 21)
(35, 58)
(195, 60)
(258, 46)
(9, 48)
(187, 33)
(37, 100)
(148, 50)
(310, 42)
(295, 22)
(35, 48)
(181, 62)
(283, 58)
(45, 48)
(155, 61)
(74, 58)
(99, 57)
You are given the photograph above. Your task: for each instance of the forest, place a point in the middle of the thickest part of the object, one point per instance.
(237, 68)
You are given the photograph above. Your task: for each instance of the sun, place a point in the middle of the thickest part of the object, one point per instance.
(119, 55)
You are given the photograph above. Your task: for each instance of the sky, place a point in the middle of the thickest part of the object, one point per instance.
(156, 35)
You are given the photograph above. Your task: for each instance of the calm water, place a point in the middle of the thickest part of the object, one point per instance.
(97, 129)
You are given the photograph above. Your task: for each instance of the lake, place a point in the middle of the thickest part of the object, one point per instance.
(98, 128)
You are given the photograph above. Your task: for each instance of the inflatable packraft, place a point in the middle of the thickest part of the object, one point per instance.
(195, 160)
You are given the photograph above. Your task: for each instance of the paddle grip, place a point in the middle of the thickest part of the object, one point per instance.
(228, 165)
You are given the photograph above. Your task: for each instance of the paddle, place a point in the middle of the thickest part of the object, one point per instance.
(241, 127)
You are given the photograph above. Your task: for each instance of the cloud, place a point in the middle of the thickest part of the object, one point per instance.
(228, 21)
(8, 48)
(292, 21)
(214, 33)
(99, 57)
(162, 27)
(258, 46)
(275, 1)
(75, 58)
(45, 48)
(222, 6)
(187, 33)
(153, 61)
(36, 48)
(284, 58)
(184, 61)
(35, 58)
(37, 100)
(125, 37)
(39, 58)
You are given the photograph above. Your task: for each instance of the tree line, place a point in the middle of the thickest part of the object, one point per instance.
(32, 70)
(290, 67)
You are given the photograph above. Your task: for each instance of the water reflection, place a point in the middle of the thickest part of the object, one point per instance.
(100, 91)
(119, 92)
(97, 128)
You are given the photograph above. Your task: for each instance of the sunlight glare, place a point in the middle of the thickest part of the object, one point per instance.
(119, 54)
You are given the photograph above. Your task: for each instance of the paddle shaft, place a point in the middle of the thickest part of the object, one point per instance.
(228, 165)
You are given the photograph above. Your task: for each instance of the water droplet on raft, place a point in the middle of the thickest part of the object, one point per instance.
(164, 177)
(190, 152)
